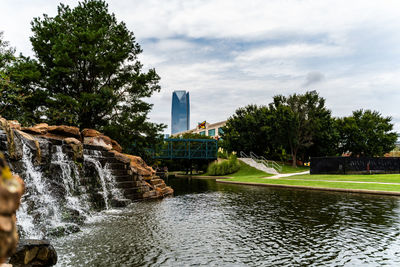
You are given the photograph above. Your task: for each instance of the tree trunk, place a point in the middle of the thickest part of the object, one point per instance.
(294, 159)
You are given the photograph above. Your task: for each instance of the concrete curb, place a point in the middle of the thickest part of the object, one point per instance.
(362, 191)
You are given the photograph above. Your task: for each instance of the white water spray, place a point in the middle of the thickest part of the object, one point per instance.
(107, 179)
(44, 207)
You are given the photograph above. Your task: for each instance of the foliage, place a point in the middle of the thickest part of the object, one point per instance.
(85, 73)
(294, 124)
(17, 99)
(366, 133)
(299, 119)
(6, 53)
(249, 129)
(222, 154)
(191, 136)
(224, 167)
(8, 92)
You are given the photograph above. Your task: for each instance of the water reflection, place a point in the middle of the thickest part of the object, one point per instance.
(207, 223)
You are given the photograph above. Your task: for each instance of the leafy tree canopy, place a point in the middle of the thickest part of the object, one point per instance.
(249, 129)
(299, 123)
(366, 133)
(17, 101)
(192, 136)
(85, 73)
(300, 119)
(89, 66)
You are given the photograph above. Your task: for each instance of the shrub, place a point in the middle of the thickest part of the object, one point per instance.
(228, 166)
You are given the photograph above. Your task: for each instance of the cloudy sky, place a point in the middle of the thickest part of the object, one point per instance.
(232, 53)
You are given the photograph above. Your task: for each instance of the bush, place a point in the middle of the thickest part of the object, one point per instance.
(228, 166)
(222, 154)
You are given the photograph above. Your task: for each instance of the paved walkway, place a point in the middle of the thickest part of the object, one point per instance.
(280, 175)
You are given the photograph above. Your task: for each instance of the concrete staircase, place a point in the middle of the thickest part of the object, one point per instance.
(260, 166)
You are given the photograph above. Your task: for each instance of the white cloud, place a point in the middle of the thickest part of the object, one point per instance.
(291, 51)
(233, 53)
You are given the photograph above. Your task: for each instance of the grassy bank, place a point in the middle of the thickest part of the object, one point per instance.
(290, 169)
(378, 178)
(248, 172)
(353, 182)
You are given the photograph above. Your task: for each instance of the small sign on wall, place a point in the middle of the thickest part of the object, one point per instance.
(201, 125)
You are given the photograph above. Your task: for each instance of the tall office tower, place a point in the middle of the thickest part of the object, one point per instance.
(180, 112)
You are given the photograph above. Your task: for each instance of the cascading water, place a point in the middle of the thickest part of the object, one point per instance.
(39, 210)
(59, 195)
(70, 177)
(106, 178)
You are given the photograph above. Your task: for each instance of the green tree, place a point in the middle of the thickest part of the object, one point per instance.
(6, 53)
(17, 98)
(249, 129)
(192, 136)
(366, 133)
(91, 73)
(299, 120)
(8, 94)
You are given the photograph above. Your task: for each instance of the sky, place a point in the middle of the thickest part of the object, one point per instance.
(231, 53)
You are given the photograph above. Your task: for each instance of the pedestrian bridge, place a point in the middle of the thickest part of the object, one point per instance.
(175, 148)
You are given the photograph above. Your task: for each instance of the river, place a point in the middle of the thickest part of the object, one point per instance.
(212, 224)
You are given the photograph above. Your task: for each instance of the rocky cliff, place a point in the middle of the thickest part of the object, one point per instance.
(70, 173)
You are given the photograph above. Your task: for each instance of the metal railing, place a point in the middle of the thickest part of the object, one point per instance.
(243, 155)
(268, 163)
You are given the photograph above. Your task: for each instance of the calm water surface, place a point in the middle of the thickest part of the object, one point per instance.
(211, 224)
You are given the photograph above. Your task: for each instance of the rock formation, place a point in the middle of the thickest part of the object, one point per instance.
(11, 190)
(69, 173)
(34, 253)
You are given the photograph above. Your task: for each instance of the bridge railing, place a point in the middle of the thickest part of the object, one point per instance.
(174, 148)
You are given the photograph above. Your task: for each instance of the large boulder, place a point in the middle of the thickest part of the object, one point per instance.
(137, 164)
(21, 138)
(96, 138)
(5, 126)
(31, 252)
(90, 133)
(65, 131)
(100, 140)
(40, 128)
(117, 147)
(76, 147)
(14, 124)
(11, 190)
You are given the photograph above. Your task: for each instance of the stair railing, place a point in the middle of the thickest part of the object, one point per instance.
(268, 163)
(243, 155)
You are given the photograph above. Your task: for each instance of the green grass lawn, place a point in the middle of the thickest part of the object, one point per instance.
(248, 174)
(290, 169)
(324, 184)
(245, 172)
(379, 178)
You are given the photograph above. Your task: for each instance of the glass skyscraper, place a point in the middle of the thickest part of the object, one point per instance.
(180, 112)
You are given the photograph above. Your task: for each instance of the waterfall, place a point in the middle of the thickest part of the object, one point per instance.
(70, 177)
(38, 207)
(107, 180)
(59, 195)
